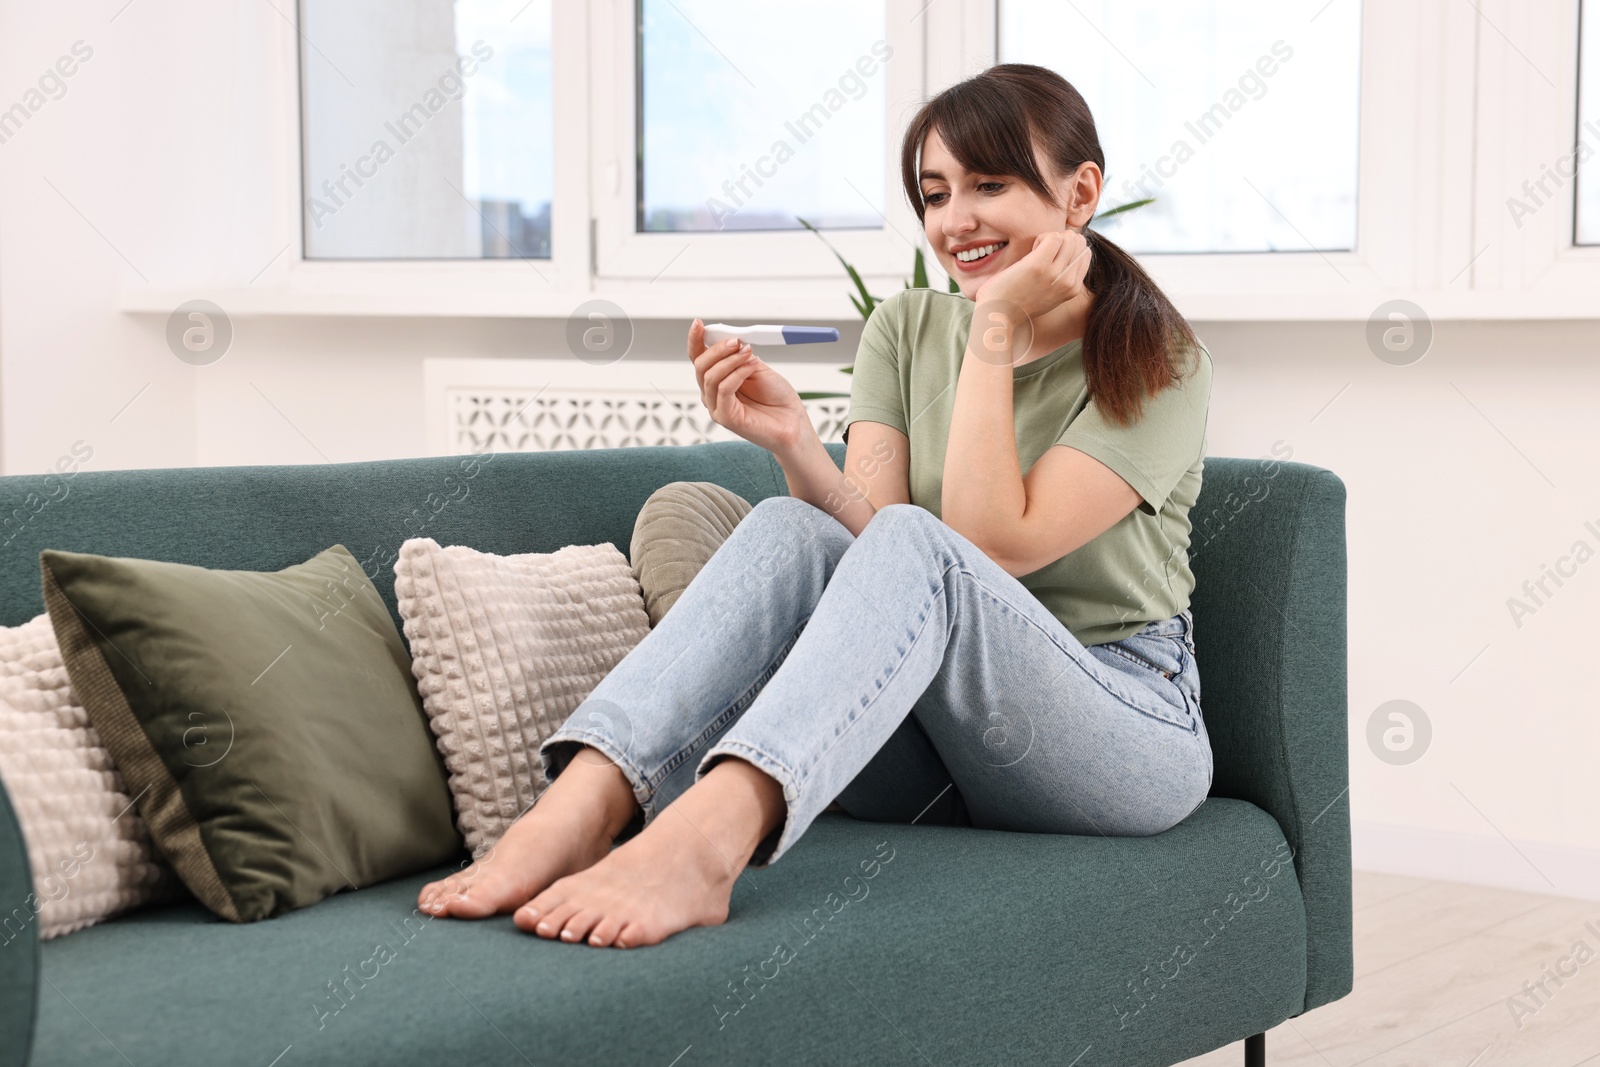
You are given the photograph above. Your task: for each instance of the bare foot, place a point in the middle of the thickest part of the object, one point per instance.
(676, 873)
(570, 827)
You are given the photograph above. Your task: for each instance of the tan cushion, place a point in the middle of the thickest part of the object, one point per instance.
(504, 649)
(89, 850)
(678, 529)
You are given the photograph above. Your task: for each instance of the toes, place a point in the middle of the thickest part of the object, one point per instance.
(552, 922)
(530, 915)
(455, 896)
(464, 905)
(632, 935)
(535, 916)
(605, 931)
(434, 892)
(577, 928)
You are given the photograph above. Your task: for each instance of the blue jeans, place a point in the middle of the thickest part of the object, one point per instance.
(904, 673)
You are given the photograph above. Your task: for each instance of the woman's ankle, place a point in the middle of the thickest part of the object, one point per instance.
(596, 788)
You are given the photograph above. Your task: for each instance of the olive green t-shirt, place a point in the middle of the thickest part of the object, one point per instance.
(1137, 571)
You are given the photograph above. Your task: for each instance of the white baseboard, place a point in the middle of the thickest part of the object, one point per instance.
(1532, 866)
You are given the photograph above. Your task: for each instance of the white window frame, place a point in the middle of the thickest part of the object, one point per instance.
(1525, 125)
(624, 255)
(1449, 112)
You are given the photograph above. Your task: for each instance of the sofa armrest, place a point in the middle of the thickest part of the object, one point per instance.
(19, 942)
(1269, 606)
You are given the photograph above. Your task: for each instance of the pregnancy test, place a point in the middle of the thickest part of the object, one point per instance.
(770, 335)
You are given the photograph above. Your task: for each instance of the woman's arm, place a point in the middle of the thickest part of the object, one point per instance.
(876, 473)
(984, 497)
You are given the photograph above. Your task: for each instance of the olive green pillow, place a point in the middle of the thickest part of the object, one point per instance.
(679, 528)
(266, 723)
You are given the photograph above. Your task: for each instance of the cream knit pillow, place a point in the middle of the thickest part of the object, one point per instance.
(89, 851)
(504, 649)
(680, 527)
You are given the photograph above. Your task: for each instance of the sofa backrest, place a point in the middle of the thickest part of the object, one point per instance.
(269, 517)
(1268, 555)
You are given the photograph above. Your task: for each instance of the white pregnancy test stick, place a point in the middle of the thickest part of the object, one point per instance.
(770, 335)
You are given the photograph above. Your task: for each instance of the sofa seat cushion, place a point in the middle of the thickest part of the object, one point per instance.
(871, 943)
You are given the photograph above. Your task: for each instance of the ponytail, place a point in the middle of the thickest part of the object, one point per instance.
(1132, 333)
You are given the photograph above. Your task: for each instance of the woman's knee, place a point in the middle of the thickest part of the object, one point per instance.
(780, 507)
(797, 524)
(900, 517)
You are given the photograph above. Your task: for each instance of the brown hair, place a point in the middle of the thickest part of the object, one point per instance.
(990, 123)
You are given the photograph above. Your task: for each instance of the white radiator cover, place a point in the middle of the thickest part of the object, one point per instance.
(538, 405)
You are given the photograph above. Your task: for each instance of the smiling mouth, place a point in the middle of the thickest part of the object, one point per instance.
(979, 255)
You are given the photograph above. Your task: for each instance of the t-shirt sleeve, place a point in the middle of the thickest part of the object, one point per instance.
(1154, 452)
(875, 393)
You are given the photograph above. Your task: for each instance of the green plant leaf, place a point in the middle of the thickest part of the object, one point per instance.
(1120, 208)
(824, 396)
(919, 273)
(867, 301)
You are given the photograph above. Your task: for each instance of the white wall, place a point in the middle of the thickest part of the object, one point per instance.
(1467, 471)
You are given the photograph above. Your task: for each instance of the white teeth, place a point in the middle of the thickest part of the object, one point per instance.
(978, 253)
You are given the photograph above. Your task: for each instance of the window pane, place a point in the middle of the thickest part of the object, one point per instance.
(1588, 144)
(427, 129)
(748, 118)
(1238, 116)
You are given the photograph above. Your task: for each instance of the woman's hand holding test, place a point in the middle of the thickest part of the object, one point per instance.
(745, 394)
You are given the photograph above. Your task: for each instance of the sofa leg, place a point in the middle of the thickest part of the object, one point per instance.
(1255, 1051)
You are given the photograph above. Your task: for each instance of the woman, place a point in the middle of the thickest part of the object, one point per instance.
(870, 638)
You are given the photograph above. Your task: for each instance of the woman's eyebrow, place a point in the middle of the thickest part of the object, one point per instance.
(935, 175)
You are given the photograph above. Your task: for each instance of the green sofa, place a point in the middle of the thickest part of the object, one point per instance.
(964, 947)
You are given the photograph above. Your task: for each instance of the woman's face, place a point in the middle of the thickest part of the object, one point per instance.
(967, 213)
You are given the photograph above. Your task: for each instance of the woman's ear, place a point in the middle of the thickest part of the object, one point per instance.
(1083, 195)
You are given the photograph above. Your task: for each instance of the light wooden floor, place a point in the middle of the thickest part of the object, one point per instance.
(1436, 963)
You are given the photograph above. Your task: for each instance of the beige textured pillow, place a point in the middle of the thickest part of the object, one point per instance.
(680, 527)
(504, 649)
(89, 851)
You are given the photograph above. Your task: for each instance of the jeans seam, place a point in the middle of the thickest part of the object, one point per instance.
(787, 777)
(1114, 647)
(608, 748)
